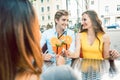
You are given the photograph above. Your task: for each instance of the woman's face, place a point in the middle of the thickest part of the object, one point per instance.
(86, 21)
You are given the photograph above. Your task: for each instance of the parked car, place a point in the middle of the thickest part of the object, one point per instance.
(113, 26)
(109, 27)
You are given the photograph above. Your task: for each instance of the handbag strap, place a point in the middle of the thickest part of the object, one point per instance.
(62, 34)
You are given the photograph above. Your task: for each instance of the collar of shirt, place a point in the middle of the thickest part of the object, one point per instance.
(55, 32)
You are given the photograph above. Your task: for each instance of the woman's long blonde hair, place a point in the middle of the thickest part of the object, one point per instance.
(19, 40)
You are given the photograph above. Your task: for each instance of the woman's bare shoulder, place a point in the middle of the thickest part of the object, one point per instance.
(106, 37)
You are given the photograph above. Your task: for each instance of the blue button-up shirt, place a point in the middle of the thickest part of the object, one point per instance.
(48, 34)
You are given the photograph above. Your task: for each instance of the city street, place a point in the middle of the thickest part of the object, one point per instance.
(115, 38)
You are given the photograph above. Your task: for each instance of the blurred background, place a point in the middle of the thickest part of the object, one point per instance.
(108, 11)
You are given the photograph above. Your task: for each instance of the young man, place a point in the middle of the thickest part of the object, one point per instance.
(59, 38)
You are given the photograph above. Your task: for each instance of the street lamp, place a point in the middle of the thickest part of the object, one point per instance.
(66, 4)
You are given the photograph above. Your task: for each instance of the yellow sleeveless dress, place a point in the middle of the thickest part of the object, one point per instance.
(92, 54)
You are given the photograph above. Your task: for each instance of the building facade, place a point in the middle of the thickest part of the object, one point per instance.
(48, 9)
(108, 11)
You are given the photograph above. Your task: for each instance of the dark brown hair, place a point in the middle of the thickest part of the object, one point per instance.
(96, 22)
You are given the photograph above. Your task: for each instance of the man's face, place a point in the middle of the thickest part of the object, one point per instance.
(62, 22)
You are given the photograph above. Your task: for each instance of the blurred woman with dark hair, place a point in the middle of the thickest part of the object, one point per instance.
(20, 53)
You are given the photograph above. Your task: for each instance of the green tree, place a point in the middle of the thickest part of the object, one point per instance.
(49, 26)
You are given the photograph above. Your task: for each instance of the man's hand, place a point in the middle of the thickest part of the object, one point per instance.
(47, 57)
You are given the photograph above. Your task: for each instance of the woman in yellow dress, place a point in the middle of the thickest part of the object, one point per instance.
(94, 44)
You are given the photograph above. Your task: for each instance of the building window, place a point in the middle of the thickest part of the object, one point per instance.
(92, 2)
(48, 8)
(42, 9)
(107, 21)
(118, 7)
(57, 6)
(41, 1)
(48, 17)
(69, 2)
(106, 8)
(117, 19)
(43, 18)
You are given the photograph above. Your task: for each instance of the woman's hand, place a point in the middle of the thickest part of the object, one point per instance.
(47, 57)
(60, 60)
(67, 53)
(114, 54)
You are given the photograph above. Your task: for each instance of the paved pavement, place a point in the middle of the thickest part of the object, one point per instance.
(115, 38)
